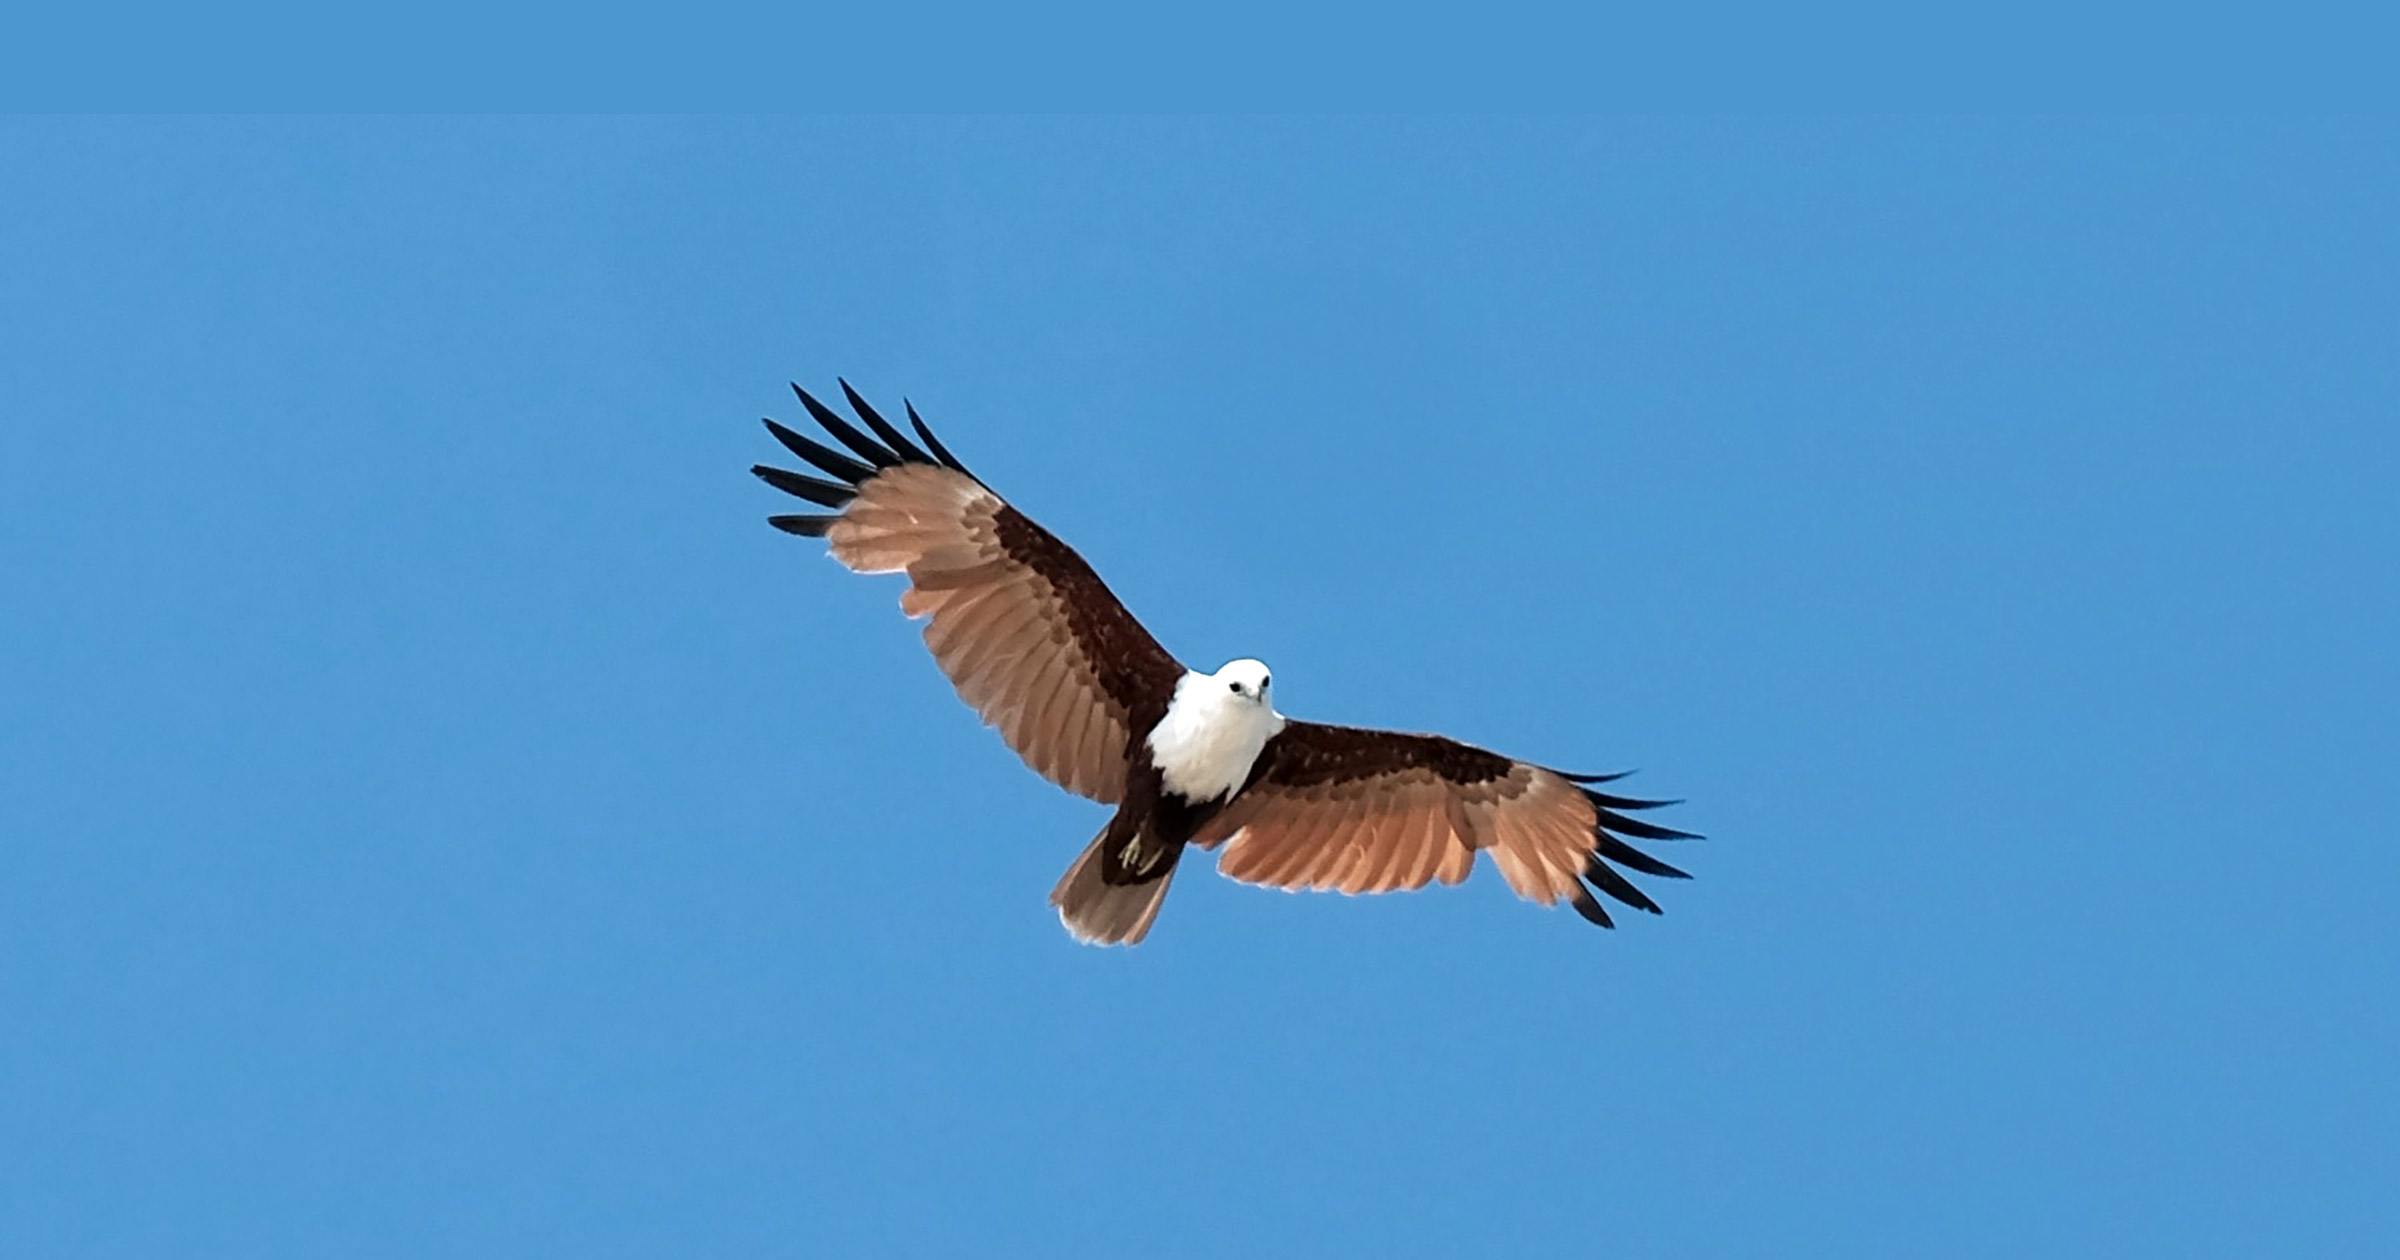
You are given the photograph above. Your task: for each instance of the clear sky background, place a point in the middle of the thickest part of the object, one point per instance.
(439, 817)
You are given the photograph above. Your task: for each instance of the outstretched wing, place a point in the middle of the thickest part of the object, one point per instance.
(1373, 811)
(1030, 636)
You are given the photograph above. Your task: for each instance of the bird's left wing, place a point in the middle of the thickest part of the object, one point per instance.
(1340, 807)
(1029, 635)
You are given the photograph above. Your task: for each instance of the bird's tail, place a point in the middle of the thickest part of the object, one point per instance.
(1097, 912)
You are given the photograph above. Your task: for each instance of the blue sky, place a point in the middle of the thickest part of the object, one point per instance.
(440, 817)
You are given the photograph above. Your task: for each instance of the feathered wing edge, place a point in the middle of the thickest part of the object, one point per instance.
(868, 456)
(1609, 832)
(1329, 807)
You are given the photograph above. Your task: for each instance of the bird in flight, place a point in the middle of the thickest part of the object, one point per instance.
(1036, 644)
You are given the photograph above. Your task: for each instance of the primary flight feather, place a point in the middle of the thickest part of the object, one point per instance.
(1037, 645)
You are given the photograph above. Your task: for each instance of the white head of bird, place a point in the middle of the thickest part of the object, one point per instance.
(1214, 729)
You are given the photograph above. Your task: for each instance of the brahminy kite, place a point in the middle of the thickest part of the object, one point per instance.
(1036, 644)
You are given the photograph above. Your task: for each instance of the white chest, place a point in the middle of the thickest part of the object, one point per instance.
(1204, 746)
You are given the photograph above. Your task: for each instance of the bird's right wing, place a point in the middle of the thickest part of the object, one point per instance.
(1362, 811)
(1030, 636)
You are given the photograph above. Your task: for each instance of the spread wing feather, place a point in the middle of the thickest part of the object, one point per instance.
(1376, 811)
(1032, 639)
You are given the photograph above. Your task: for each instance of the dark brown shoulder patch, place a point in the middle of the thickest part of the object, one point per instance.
(1136, 672)
(1307, 754)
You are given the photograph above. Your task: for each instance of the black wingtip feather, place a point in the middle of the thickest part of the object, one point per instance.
(803, 525)
(1605, 801)
(822, 457)
(832, 494)
(933, 443)
(1617, 886)
(1638, 829)
(1589, 908)
(1626, 855)
(845, 432)
(1591, 778)
(892, 437)
(1609, 829)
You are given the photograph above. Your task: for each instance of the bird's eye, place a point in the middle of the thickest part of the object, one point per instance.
(1264, 683)
(1233, 687)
